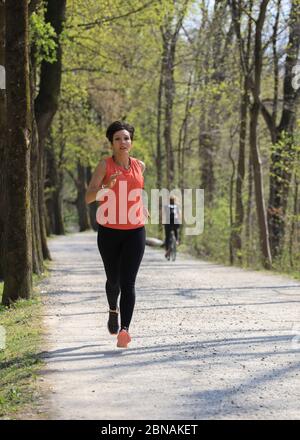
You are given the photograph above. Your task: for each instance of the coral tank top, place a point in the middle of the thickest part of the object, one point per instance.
(122, 206)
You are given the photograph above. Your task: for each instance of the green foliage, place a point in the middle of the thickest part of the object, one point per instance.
(112, 58)
(216, 222)
(42, 38)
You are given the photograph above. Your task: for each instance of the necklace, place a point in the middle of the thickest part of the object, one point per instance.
(122, 166)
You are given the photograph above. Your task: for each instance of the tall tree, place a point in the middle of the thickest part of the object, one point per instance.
(255, 81)
(2, 131)
(170, 33)
(255, 153)
(236, 234)
(37, 254)
(158, 155)
(282, 133)
(17, 230)
(46, 103)
(213, 72)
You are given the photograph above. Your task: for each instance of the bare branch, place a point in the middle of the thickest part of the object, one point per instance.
(87, 69)
(116, 17)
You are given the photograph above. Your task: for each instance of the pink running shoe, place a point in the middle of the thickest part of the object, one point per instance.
(123, 339)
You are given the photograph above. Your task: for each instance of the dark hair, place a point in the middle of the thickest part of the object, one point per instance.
(116, 126)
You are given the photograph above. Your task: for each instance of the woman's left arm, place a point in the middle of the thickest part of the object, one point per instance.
(145, 210)
(142, 165)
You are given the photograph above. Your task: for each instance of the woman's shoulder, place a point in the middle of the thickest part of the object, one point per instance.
(105, 164)
(106, 160)
(139, 162)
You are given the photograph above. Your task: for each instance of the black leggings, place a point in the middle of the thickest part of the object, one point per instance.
(122, 252)
(168, 229)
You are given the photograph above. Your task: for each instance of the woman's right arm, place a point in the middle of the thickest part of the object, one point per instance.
(95, 182)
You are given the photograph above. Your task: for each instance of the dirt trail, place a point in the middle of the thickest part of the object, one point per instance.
(209, 341)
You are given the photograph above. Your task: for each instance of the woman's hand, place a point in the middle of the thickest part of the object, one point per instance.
(112, 179)
(110, 183)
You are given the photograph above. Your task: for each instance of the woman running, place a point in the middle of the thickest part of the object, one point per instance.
(121, 232)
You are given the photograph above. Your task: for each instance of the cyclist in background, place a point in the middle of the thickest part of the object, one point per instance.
(172, 212)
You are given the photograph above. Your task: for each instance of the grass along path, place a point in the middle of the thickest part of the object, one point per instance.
(20, 361)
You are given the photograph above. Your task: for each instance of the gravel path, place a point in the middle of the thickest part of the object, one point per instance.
(208, 341)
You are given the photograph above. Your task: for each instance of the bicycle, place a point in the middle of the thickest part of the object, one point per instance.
(171, 253)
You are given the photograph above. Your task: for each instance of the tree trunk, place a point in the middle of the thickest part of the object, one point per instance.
(204, 142)
(37, 254)
(239, 206)
(295, 216)
(54, 201)
(236, 236)
(231, 243)
(2, 134)
(18, 239)
(254, 112)
(169, 89)
(92, 206)
(83, 217)
(183, 135)
(207, 164)
(255, 81)
(215, 73)
(170, 33)
(248, 225)
(158, 157)
(258, 185)
(46, 102)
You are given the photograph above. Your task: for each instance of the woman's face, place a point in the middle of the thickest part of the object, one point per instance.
(121, 142)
